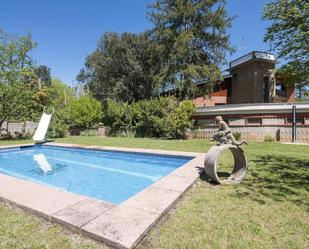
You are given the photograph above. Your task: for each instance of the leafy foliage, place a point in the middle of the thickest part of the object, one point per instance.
(121, 68)
(160, 117)
(187, 44)
(119, 117)
(84, 112)
(15, 77)
(289, 33)
(15, 102)
(193, 40)
(15, 61)
(43, 75)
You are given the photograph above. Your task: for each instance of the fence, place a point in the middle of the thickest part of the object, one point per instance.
(17, 129)
(278, 133)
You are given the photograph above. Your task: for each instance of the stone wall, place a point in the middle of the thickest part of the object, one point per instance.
(15, 128)
(256, 133)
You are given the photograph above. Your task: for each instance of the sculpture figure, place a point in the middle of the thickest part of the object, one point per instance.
(224, 134)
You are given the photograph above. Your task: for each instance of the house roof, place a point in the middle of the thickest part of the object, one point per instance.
(251, 109)
(254, 55)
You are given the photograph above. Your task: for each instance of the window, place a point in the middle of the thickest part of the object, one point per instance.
(237, 121)
(299, 120)
(254, 121)
(205, 122)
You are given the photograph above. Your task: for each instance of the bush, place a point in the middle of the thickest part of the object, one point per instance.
(180, 120)
(268, 138)
(84, 112)
(237, 135)
(119, 118)
(161, 117)
(89, 133)
(152, 117)
(61, 130)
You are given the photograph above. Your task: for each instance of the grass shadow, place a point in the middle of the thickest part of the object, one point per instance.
(278, 177)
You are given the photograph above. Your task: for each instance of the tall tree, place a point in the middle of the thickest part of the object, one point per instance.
(16, 71)
(16, 64)
(289, 33)
(193, 38)
(122, 67)
(43, 76)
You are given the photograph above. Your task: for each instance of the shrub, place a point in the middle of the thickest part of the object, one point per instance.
(89, 133)
(84, 112)
(61, 129)
(237, 135)
(268, 138)
(152, 117)
(118, 117)
(180, 120)
(160, 117)
(163, 117)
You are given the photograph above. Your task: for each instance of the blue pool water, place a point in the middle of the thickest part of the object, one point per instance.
(107, 175)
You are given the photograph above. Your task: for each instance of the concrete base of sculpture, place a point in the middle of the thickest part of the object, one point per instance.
(239, 168)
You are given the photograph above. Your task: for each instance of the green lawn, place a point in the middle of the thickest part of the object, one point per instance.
(12, 142)
(270, 209)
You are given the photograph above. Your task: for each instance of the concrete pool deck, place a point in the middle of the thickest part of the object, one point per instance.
(121, 226)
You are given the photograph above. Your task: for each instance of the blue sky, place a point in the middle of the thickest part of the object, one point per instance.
(68, 30)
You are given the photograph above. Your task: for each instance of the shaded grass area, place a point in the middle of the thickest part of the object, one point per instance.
(270, 209)
(19, 230)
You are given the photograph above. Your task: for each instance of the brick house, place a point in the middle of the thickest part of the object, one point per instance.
(253, 102)
(251, 79)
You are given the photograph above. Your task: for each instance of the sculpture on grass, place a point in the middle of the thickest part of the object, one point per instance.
(226, 140)
(224, 134)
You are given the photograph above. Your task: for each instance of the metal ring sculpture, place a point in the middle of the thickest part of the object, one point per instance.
(240, 164)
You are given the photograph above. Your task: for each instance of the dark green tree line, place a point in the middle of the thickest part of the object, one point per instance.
(122, 67)
(193, 38)
(187, 44)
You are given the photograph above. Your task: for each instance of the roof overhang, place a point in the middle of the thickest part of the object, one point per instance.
(255, 55)
(251, 109)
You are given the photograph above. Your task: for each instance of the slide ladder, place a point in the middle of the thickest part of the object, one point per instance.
(41, 130)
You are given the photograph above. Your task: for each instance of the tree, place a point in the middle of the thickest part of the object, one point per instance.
(42, 74)
(84, 112)
(60, 94)
(289, 33)
(15, 102)
(122, 67)
(16, 64)
(193, 40)
(16, 72)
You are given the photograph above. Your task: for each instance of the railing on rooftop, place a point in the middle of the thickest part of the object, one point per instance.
(253, 55)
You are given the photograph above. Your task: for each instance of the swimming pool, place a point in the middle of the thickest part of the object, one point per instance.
(112, 176)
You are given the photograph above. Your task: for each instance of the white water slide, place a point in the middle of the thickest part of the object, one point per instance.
(41, 130)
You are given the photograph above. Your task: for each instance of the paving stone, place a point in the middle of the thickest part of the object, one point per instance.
(82, 212)
(191, 169)
(4, 178)
(54, 202)
(10, 185)
(121, 226)
(153, 199)
(26, 191)
(174, 182)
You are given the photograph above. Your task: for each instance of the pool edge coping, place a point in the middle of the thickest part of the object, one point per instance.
(138, 214)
